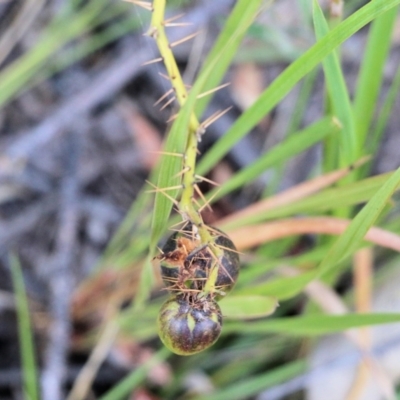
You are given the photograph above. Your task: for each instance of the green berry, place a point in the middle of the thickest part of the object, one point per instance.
(187, 325)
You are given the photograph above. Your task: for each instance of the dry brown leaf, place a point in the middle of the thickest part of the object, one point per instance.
(291, 195)
(254, 235)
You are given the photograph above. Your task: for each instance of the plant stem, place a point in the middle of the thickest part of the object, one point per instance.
(186, 205)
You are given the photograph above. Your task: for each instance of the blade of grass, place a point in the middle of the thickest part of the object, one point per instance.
(353, 193)
(295, 144)
(234, 29)
(128, 384)
(300, 107)
(18, 74)
(253, 385)
(371, 72)
(89, 44)
(311, 325)
(292, 195)
(354, 234)
(247, 307)
(346, 244)
(349, 148)
(25, 335)
(176, 140)
(281, 86)
(255, 235)
(385, 112)
(280, 288)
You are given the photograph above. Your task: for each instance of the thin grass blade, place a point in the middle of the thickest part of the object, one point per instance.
(128, 384)
(346, 244)
(25, 334)
(295, 144)
(282, 85)
(339, 96)
(248, 306)
(312, 325)
(371, 71)
(235, 27)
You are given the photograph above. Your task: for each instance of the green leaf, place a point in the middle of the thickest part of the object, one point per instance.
(295, 144)
(170, 166)
(311, 325)
(347, 243)
(251, 386)
(385, 112)
(282, 85)
(136, 377)
(227, 44)
(62, 30)
(247, 307)
(371, 71)
(25, 334)
(280, 288)
(350, 194)
(348, 146)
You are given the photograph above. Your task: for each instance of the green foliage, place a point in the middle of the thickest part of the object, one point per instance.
(135, 378)
(312, 325)
(348, 130)
(255, 295)
(25, 333)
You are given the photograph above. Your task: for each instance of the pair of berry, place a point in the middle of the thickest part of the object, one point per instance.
(191, 320)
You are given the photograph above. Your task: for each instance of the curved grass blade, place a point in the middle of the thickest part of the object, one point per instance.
(235, 28)
(128, 384)
(248, 306)
(350, 194)
(29, 369)
(295, 144)
(348, 146)
(176, 140)
(312, 325)
(282, 85)
(251, 386)
(346, 244)
(371, 72)
(19, 73)
(385, 112)
(280, 288)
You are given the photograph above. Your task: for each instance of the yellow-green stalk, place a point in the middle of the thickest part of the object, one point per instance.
(186, 205)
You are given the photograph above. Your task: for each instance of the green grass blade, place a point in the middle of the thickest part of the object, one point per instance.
(371, 71)
(282, 85)
(176, 140)
(347, 243)
(253, 385)
(280, 288)
(246, 307)
(235, 28)
(386, 111)
(339, 96)
(168, 168)
(128, 384)
(19, 73)
(295, 144)
(351, 194)
(29, 369)
(311, 325)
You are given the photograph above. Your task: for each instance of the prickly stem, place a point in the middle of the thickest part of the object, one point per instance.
(186, 206)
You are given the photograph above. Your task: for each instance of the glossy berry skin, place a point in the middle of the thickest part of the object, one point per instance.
(186, 262)
(187, 326)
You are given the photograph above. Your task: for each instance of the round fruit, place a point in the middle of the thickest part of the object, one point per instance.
(186, 262)
(187, 325)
